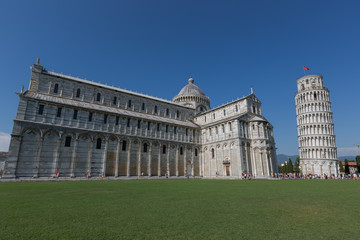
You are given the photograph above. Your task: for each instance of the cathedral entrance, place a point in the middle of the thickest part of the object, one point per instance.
(227, 170)
(226, 163)
(110, 164)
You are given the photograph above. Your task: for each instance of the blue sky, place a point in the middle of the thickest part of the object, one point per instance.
(227, 46)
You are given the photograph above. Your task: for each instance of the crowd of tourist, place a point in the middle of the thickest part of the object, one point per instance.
(354, 176)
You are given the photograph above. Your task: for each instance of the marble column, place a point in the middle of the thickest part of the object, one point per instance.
(117, 158)
(73, 157)
(139, 159)
(168, 160)
(128, 159)
(269, 160)
(90, 153)
(159, 160)
(253, 161)
(201, 162)
(37, 165)
(263, 167)
(192, 162)
(177, 160)
(149, 159)
(185, 161)
(210, 161)
(247, 159)
(105, 155)
(267, 163)
(56, 156)
(240, 160)
(321, 169)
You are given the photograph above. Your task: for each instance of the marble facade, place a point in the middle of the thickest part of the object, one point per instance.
(74, 126)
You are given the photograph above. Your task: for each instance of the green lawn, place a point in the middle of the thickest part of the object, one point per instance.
(181, 209)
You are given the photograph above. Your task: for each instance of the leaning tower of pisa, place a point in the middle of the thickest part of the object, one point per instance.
(317, 148)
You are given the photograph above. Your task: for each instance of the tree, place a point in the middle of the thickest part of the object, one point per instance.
(283, 168)
(297, 165)
(341, 167)
(347, 166)
(358, 162)
(290, 166)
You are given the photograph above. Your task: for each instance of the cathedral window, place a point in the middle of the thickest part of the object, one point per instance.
(90, 116)
(68, 141)
(98, 143)
(236, 108)
(253, 108)
(177, 114)
(78, 93)
(128, 122)
(230, 127)
(41, 109)
(224, 112)
(145, 147)
(105, 118)
(155, 109)
(114, 100)
(58, 114)
(75, 114)
(148, 127)
(315, 96)
(138, 124)
(205, 118)
(167, 112)
(174, 130)
(129, 104)
(98, 97)
(167, 128)
(158, 127)
(216, 130)
(143, 106)
(56, 88)
(201, 109)
(210, 131)
(223, 128)
(123, 146)
(214, 115)
(186, 131)
(117, 120)
(212, 153)
(196, 152)
(181, 151)
(164, 149)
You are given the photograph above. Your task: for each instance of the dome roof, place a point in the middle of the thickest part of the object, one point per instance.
(191, 90)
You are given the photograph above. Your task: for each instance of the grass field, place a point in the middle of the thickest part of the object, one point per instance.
(181, 209)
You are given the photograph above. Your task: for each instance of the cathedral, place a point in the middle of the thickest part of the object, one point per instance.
(71, 127)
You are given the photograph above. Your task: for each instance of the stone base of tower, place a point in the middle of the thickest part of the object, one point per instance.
(319, 167)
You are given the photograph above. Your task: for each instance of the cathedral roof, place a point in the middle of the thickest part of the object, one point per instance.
(110, 110)
(258, 119)
(109, 87)
(191, 90)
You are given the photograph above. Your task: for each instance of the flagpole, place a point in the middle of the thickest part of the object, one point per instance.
(305, 68)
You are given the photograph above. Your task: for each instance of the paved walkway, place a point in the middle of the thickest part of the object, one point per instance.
(52, 179)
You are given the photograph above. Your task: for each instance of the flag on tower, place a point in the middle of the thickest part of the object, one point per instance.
(305, 68)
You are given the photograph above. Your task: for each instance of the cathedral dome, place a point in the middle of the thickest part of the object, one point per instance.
(192, 96)
(191, 90)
